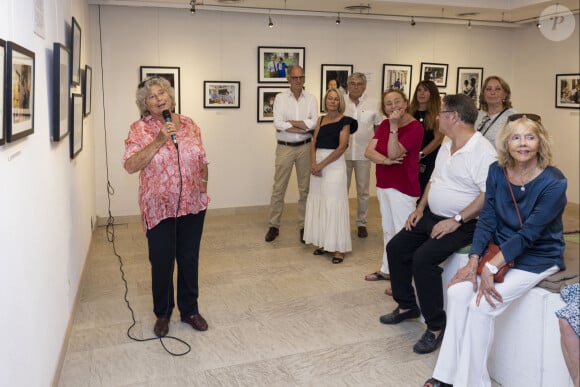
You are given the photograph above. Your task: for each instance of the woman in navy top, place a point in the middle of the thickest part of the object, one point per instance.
(535, 247)
(327, 213)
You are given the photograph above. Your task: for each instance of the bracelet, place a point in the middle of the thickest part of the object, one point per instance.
(385, 159)
(393, 131)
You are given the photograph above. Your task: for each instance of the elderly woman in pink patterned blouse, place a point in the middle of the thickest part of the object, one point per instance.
(166, 149)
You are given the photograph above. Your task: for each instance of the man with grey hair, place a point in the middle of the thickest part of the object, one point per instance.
(362, 108)
(443, 222)
(295, 116)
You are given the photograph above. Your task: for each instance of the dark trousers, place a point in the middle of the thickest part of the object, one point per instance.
(175, 239)
(415, 255)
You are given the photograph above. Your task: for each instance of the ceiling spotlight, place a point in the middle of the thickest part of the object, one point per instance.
(192, 9)
(413, 21)
(270, 24)
(338, 19)
(538, 24)
(469, 24)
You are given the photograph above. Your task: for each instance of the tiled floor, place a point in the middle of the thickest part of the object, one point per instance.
(278, 315)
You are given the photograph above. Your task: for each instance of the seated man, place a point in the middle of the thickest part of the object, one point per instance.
(442, 223)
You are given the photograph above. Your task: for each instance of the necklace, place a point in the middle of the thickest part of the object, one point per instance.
(524, 178)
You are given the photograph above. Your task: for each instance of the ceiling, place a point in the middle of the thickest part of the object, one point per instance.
(484, 11)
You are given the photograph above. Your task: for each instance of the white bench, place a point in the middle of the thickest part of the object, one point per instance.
(526, 350)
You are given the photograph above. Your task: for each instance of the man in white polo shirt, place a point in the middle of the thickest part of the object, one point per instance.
(443, 222)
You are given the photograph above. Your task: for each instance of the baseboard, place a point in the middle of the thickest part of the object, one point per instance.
(64, 346)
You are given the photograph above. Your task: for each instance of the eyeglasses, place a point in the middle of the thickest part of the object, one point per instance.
(356, 84)
(446, 111)
(529, 116)
(301, 78)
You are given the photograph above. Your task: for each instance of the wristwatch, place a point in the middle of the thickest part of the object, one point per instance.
(458, 218)
(421, 154)
(491, 268)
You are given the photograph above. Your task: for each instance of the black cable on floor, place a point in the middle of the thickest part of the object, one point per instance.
(110, 228)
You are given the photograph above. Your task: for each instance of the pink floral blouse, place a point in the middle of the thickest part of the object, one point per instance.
(160, 180)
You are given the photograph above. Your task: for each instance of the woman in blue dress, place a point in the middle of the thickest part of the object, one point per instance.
(327, 212)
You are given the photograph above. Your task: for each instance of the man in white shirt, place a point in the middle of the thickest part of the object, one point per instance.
(295, 115)
(363, 108)
(443, 222)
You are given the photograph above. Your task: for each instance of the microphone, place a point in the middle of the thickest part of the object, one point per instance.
(167, 118)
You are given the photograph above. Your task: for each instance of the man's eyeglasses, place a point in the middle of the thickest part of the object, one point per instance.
(356, 84)
(529, 116)
(301, 78)
(446, 111)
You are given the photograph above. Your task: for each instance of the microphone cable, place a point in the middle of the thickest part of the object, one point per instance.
(110, 228)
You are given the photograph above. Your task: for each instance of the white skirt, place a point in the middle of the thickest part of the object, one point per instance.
(327, 223)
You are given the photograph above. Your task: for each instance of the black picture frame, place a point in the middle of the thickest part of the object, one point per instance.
(60, 91)
(436, 72)
(87, 90)
(20, 78)
(2, 101)
(76, 125)
(171, 73)
(221, 94)
(337, 72)
(397, 76)
(266, 95)
(290, 56)
(75, 54)
(474, 78)
(568, 91)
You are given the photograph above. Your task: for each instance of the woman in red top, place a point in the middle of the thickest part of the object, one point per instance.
(172, 197)
(395, 149)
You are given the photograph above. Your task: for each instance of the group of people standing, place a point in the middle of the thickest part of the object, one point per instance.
(494, 180)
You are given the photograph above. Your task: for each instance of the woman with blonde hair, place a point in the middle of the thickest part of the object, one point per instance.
(522, 213)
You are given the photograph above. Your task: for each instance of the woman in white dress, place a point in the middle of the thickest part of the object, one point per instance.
(327, 222)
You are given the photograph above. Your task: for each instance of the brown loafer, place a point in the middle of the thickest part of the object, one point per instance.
(271, 234)
(196, 321)
(161, 327)
(362, 232)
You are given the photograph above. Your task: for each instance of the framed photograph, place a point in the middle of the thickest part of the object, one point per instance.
(221, 94)
(334, 75)
(76, 122)
(436, 72)
(266, 96)
(397, 76)
(19, 92)
(60, 91)
(87, 90)
(568, 91)
(169, 73)
(273, 62)
(75, 67)
(2, 76)
(469, 81)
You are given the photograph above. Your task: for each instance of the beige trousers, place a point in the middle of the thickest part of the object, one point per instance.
(362, 176)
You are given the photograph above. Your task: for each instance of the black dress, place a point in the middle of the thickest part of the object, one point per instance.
(427, 163)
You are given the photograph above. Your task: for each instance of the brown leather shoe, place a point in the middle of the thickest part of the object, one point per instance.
(362, 232)
(161, 327)
(271, 234)
(196, 321)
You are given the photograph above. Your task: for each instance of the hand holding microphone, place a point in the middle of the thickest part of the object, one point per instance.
(167, 117)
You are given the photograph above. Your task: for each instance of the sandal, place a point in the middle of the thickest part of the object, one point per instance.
(377, 276)
(436, 383)
(319, 251)
(338, 258)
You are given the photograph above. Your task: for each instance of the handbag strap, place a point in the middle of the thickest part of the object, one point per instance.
(513, 197)
(492, 122)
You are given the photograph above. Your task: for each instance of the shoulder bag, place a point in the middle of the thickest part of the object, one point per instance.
(492, 249)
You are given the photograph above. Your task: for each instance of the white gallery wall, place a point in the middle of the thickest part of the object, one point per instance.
(48, 201)
(220, 46)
